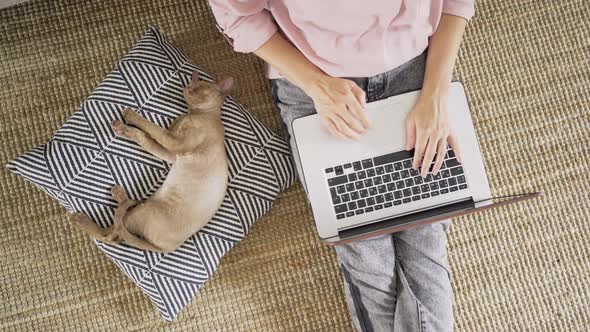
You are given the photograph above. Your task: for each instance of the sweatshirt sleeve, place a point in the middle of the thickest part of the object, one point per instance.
(461, 8)
(246, 24)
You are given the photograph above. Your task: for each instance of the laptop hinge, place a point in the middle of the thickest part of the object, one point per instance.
(407, 219)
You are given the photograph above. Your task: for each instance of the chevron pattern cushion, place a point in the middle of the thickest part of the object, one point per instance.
(84, 159)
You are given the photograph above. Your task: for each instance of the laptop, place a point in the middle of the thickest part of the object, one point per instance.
(365, 188)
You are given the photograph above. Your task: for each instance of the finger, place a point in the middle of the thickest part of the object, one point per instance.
(353, 103)
(333, 130)
(456, 147)
(429, 154)
(359, 94)
(351, 100)
(360, 113)
(343, 128)
(440, 155)
(410, 133)
(350, 120)
(421, 141)
(361, 117)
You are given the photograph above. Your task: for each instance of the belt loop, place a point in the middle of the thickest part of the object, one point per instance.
(370, 88)
(386, 81)
(379, 85)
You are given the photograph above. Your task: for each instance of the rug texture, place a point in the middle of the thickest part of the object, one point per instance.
(523, 267)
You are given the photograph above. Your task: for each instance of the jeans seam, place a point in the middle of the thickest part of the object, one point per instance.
(421, 317)
(419, 308)
(356, 301)
(430, 258)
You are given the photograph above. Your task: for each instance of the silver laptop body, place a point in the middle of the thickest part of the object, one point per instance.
(326, 161)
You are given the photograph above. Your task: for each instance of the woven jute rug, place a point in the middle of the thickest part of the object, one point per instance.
(524, 267)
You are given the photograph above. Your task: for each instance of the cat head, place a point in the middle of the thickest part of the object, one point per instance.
(202, 96)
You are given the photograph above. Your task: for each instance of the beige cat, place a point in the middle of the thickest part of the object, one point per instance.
(195, 186)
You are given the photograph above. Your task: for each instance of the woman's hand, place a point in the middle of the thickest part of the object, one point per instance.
(428, 132)
(340, 103)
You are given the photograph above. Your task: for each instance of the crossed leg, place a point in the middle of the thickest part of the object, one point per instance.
(109, 234)
(117, 232)
(122, 199)
(82, 222)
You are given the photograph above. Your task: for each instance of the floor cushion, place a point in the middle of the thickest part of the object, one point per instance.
(84, 159)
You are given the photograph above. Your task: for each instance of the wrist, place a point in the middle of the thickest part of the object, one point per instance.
(430, 88)
(432, 100)
(433, 92)
(311, 82)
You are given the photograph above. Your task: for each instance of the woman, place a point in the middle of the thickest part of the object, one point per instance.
(332, 57)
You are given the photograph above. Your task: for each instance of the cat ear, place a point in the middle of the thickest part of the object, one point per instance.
(226, 84)
(195, 76)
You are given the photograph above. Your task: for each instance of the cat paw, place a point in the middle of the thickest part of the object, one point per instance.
(118, 193)
(78, 219)
(119, 128)
(130, 115)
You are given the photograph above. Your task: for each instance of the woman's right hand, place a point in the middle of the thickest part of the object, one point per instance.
(340, 103)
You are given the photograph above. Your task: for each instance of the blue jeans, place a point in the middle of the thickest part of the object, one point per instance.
(401, 281)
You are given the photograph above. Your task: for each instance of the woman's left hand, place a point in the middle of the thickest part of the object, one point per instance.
(428, 132)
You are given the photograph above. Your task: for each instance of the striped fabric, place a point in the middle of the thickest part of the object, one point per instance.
(84, 159)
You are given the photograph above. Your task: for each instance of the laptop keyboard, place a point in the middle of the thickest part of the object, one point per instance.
(389, 180)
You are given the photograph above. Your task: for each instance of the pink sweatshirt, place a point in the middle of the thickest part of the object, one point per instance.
(343, 38)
